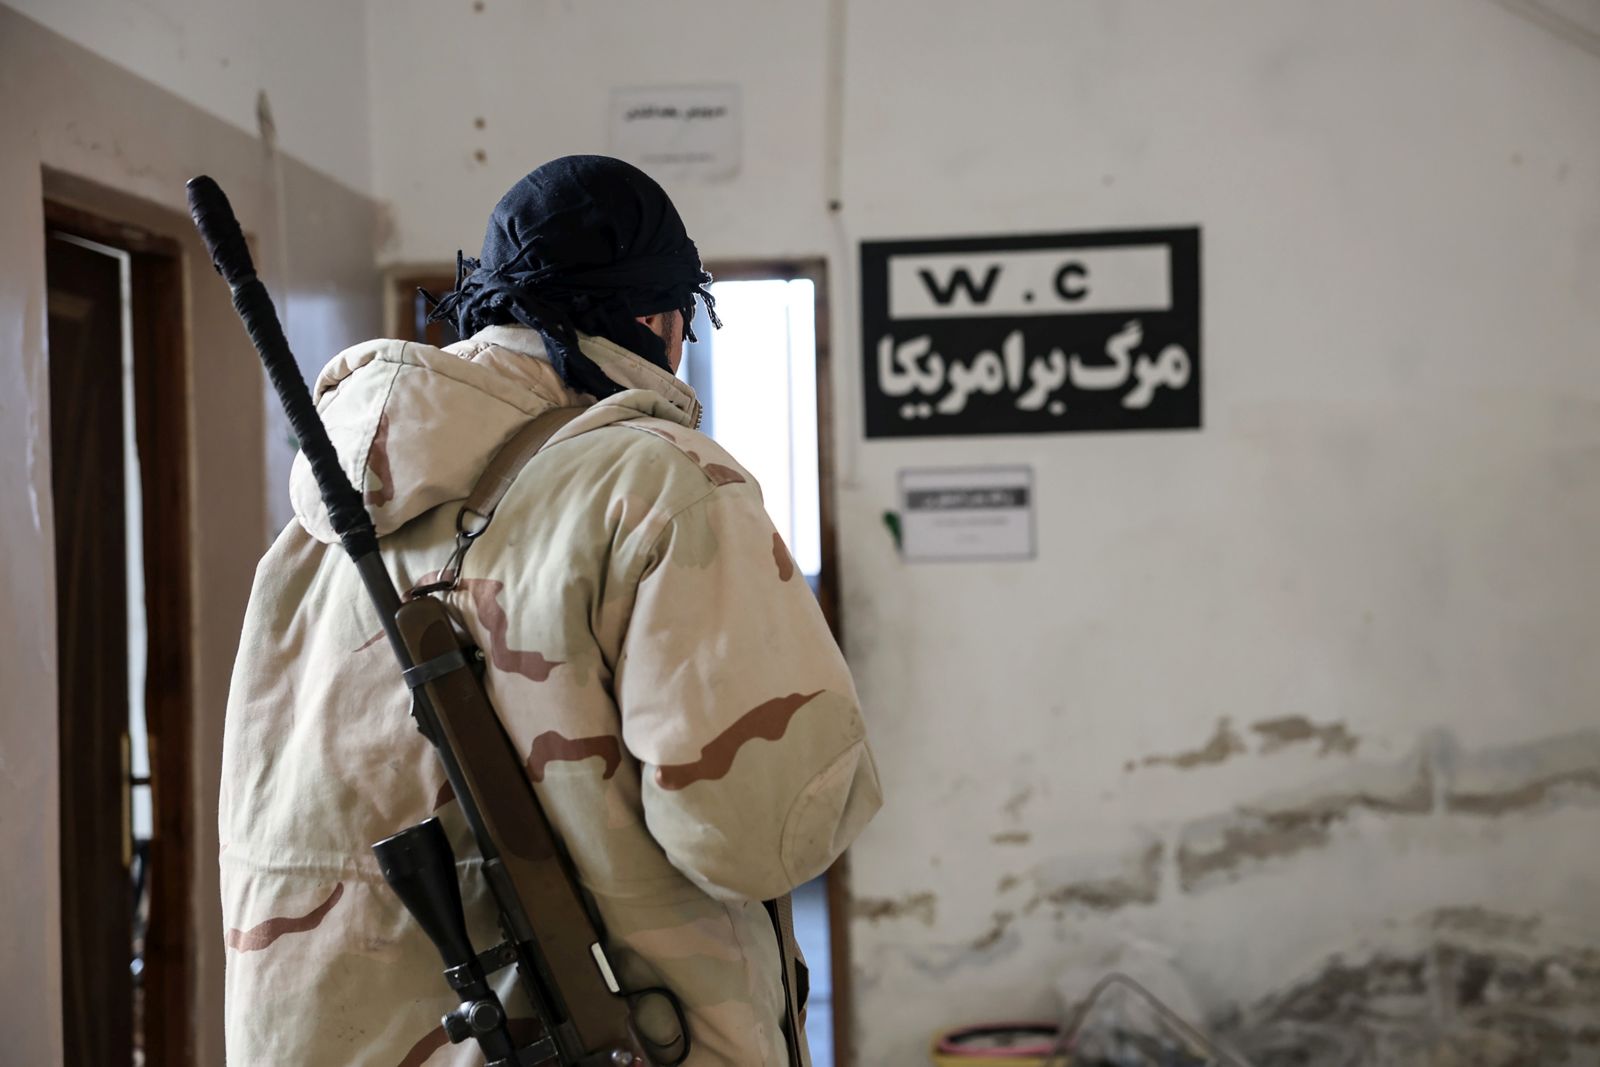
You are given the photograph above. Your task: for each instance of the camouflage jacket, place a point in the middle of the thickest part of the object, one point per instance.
(688, 722)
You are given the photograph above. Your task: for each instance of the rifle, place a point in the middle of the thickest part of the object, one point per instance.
(587, 1019)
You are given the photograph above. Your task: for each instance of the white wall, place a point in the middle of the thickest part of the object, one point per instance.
(1387, 522)
(1384, 529)
(539, 74)
(1384, 532)
(309, 58)
(88, 133)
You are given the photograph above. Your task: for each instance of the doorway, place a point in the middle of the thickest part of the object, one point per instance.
(119, 440)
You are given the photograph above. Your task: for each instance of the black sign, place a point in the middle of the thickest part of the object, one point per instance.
(1039, 334)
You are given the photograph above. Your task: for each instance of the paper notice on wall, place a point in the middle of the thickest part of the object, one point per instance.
(679, 132)
(966, 513)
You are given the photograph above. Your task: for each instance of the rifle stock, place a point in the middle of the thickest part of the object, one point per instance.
(521, 855)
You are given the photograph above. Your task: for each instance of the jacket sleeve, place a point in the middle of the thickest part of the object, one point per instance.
(738, 705)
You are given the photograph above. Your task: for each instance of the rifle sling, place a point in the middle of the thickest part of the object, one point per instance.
(795, 991)
(507, 463)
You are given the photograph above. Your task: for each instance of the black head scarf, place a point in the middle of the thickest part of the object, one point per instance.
(582, 244)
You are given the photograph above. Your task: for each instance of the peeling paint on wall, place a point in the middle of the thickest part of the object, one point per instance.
(1474, 920)
(1138, 883)
(1472, 991)
(1436, 778)
(991, 938)
(1014, 806)
(921, 906)
(1331, 738)
(1542, 792)
(1224, 744)
(1539, 775)
(1222, 847)
(942, 961)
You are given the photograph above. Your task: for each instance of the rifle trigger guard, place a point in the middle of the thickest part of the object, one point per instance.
(668, 1053)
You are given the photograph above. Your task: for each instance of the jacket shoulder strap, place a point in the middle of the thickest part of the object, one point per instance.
(507, 463)
(475, 512)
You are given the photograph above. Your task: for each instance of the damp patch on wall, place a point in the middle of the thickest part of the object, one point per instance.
(1437, 778)
(923, 907)
(1271, 735)
(1462, 986)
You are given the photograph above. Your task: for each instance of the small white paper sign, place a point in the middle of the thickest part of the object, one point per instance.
(679, 132)
(970, 513)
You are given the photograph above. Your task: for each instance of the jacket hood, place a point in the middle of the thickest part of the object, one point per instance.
(415, 426)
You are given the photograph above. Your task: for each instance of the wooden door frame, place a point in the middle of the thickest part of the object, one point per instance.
(816, 272)
(87, 486)
(400, 288)
(161, 428)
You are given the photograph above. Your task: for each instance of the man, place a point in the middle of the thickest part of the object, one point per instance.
(687, 720)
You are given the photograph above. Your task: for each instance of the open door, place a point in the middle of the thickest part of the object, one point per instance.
(87, 428)
(118, 411)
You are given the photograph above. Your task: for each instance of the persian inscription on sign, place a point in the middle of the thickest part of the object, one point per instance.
(679, 132)
(1036, 334)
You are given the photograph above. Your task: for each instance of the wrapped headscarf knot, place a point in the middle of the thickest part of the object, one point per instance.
(583, 244)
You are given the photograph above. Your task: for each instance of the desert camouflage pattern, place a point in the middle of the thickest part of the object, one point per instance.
(687, 719)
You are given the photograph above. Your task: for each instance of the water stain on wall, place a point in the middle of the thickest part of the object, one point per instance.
(1436, 778)
(1014, 806)
(1330, 738)
(1132, 878)
(920, 906)
(1544, 774)
(1141, 885)
(1221, 848)
(991, 937)
(1482, 921)
(1472, 991)
(1466, 979)
(1224, 744)
(943, 961)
